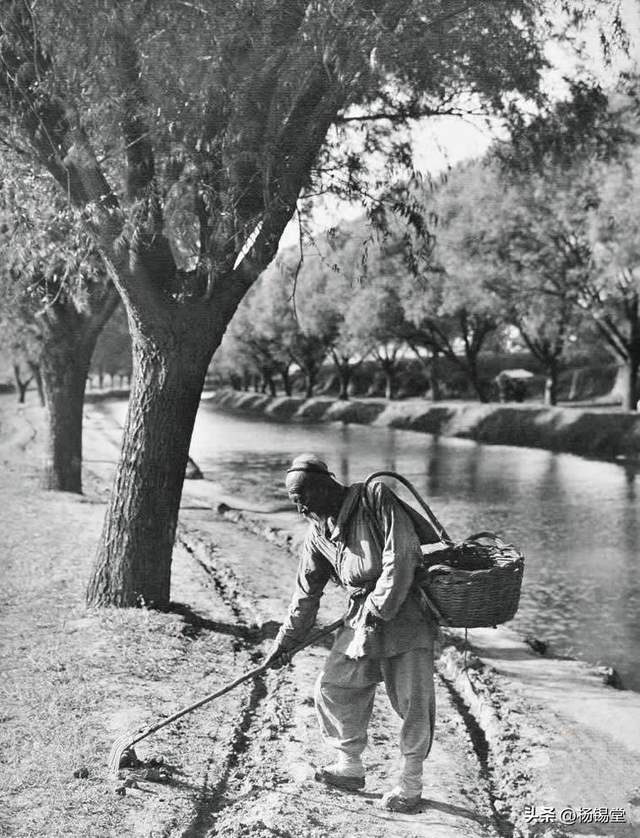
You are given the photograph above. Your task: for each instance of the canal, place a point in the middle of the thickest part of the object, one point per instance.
(576, 520)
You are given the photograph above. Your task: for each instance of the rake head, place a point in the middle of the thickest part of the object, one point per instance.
(122, 753)
(118, 755)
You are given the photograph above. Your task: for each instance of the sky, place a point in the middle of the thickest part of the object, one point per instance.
(439, 143)
(443, 142)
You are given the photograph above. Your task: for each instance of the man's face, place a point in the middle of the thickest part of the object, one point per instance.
(310, 497)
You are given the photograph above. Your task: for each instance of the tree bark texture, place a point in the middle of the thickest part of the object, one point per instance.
(310, 382)
(133, 562)
(434, 378)
(22, 385)
(476, 381)
(551, 384)
(344, 374)
(630, 385)
(65, 365)
(389, 369)
(69, 338)
(37, 374)
(286, 381)
(269, 385)
(345, 370)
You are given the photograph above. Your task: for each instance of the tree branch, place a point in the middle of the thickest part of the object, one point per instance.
(139, 151)
(401, 115)
(456, 13)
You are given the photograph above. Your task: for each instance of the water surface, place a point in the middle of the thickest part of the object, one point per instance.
(576, 520)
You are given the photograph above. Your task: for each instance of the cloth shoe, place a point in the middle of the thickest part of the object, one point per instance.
(348, 778)
(396, 801)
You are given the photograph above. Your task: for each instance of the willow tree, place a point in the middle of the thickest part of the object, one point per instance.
(510, 254)
(448, 309)
(612, 298)
(134, 108)
(257, 342)
(573, 176)
(55, 298)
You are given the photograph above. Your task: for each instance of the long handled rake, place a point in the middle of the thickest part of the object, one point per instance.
(127, 741)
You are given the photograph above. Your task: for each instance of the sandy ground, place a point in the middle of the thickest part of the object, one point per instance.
(514, 730)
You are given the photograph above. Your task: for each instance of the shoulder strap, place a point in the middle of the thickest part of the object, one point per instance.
(428, 532)
(428, 529)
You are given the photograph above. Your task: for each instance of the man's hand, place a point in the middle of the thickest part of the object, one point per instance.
(277, 657)
(371, 619)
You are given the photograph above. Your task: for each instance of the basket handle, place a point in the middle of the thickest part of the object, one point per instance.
(440, 530)
(478, 535)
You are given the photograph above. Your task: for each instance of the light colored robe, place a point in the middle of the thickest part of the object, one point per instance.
(372, 550)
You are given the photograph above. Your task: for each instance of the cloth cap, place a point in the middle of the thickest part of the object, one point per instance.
(310, 464)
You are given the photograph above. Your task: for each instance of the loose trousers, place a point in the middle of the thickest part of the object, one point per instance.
(344, 696)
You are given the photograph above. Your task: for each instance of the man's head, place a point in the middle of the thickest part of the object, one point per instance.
(312, 488)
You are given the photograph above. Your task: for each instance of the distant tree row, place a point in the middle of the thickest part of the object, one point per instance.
(537, 252)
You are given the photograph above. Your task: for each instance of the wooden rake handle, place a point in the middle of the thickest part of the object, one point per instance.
(147, 731)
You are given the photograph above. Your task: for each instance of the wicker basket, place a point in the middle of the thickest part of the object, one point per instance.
(475, 583)
(470, 584)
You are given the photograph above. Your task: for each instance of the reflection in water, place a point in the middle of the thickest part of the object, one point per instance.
(343, 473)
(630, 473)
(576, 520)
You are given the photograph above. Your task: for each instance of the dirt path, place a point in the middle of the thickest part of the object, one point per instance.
(270, 789)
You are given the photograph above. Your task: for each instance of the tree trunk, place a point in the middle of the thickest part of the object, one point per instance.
(69, 339)
(66, 358)
(574, 389)
(630, 385)
(476, 383)
(310, 382)
(551, 384)
(344, 374)
(22, 385)
(133, 563)
(286, 381)
(269, 384)
(431, 368)
(37, 374)
(344, 369)
(390, 380)
(434, 378)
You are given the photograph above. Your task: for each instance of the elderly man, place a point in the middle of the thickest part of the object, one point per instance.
(366, 542)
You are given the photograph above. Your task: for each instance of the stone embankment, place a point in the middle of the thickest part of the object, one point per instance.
(589, 432)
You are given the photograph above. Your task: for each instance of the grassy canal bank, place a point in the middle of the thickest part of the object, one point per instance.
(590, 432)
